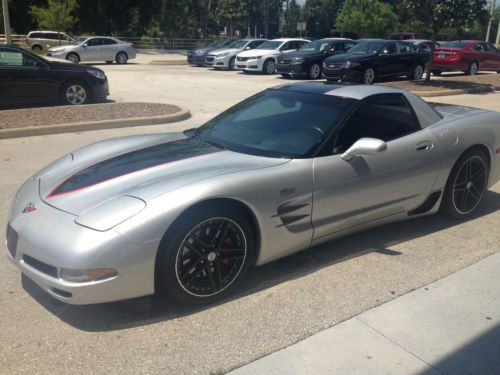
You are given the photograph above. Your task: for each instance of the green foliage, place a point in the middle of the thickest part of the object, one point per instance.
(233, 14)
(291, 16)
(56, 16)
(320, 16)
(368, 18)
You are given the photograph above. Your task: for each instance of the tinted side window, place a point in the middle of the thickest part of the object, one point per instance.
(36, 35)
(348, 45)
(286, 46)
(391, 48)
(490, 47)
(255, 44)
(93, 42)
(337, 47)
(478, 47)
(107, 41)
(301, 43)
(384, 117)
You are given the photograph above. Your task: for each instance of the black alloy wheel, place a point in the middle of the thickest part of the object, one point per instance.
(466, 185)
(208, 257)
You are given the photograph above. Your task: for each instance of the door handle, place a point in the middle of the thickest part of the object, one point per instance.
(424, 146)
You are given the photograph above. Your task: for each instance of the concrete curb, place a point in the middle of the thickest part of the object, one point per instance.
(183, 114)
(168, 62)
(432, 93)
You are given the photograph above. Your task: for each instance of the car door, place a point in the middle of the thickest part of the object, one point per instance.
(389, 60)
(494, 56)
(90, 50)
(108, 49)
(348, 193)
(24, 78)
(407, 57)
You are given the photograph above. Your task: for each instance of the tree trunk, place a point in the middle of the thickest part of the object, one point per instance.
(429, 64)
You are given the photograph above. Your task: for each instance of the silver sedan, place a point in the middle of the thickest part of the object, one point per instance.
(96, 48)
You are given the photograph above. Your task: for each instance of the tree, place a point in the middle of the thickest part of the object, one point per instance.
(57, 16)
(291, 16)
(232, 13)
(441, 14)
(369, 18)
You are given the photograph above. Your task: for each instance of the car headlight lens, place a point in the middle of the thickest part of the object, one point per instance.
(88, 275)
(352, 64)
(199, 52)
(97, 74)
(223, 54)
(298, 60)
(254, 57)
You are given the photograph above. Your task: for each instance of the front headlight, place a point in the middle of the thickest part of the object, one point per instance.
(199, 52)
(97, 74)
(254, 57)
(223, 54)
(298, 60)
(352, 64)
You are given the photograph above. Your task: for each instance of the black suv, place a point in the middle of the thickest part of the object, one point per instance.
(372, 59)
(307, 61)
(26, 78)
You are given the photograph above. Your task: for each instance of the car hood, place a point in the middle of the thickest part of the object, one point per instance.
(139, 166)
(62, 48)
(258, 52)
(344, 57)
(202, 50)
(289, 56)
(73, 67)
(224, 50)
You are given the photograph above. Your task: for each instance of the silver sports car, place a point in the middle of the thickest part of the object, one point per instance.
(286, 169)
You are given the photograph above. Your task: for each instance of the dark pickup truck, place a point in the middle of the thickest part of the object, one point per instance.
(372, 59)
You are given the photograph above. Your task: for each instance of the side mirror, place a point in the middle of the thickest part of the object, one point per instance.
(247, 48)
(40, 65)
(84, 45)
(384, 52)
(365, 146)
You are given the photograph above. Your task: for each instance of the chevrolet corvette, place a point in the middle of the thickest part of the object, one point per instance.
(286, 169)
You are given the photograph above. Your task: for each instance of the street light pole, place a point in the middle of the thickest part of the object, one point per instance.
(6, 21)
(489, 22)
(497, 42)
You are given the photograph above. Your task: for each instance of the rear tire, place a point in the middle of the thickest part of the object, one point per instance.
(466, 185)
(207, 253)
(473, 67)
(416, 73)
(121, 58)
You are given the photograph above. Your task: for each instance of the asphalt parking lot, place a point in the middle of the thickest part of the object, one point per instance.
(277, 305)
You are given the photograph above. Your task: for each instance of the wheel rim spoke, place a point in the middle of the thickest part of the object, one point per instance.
(203, 266)
(470, 185)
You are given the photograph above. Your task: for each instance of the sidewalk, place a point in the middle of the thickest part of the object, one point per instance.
(451, 326)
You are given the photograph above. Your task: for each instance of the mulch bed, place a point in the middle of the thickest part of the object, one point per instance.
(479, 82)
(40, 116)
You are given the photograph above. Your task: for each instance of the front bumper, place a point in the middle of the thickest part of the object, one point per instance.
(337, 73)
(57, 55)
(290, 68)
(194, 59)
(100, 91)
(217, 62)
(250, 65)
(42, 242)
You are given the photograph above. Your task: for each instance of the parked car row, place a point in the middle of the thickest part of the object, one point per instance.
(362, 60)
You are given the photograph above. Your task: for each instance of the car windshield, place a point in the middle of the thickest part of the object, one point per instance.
(316, 46)
(367, 48)
(238, 44)
(454, 45)
(270, 45)
(216, 43)
(77, 41)
(276, 123)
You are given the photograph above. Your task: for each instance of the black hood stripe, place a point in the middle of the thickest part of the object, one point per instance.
(133, 161)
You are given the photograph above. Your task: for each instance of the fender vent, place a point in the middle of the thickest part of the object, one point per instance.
(428, 204)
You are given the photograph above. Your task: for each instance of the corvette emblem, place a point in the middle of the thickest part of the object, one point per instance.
(30, 207)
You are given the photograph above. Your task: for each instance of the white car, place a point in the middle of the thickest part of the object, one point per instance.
(96, 48)
(264, 58)
(226, 57)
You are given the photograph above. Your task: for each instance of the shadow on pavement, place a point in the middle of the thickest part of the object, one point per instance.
(150, 310)
(479, 356)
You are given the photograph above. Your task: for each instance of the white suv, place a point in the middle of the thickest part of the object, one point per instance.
(263, 59)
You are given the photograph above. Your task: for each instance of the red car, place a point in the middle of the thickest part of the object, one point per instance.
(467, 56)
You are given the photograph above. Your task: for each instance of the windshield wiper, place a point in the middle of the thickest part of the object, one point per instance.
(216, 144)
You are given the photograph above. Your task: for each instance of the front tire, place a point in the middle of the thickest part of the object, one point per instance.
(314, 71)
(37, 49)
(368, 76)
(73, 57)
(269, 67)
(205, 255)
(466, 185)
(232, 63)
(75, 93)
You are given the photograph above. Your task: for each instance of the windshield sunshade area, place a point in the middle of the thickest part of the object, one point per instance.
(367, 48)
(276, 123)
(238, 44)
(316, 46)
(270, 45)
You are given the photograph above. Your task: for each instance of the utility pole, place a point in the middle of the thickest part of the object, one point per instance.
(497, 42)
(489, 22)
(6, 21)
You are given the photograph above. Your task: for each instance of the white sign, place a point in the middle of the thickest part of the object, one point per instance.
(11, 58)
(301, 26)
